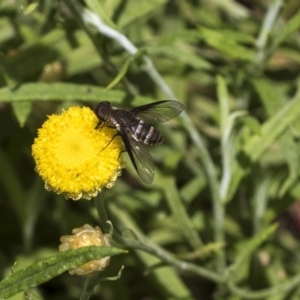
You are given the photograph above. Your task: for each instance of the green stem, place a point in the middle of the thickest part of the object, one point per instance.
(264, 294)
(89, 286)
(101, 209)
(142, 243)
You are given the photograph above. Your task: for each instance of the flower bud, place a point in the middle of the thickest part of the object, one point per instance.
(83, 237)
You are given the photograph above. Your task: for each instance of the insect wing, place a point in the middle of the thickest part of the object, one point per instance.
(140, 157)
(158, 112)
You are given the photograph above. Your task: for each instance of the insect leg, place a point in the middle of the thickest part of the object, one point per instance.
(110, 141)
(102, 124)
(99, 125)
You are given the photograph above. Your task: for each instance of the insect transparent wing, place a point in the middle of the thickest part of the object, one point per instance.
(158, 112)
(140, 157)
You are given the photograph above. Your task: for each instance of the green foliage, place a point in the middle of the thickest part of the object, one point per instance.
(43, 270)
(221, 219)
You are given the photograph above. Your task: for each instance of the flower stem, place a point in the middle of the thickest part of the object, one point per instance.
(89, 286)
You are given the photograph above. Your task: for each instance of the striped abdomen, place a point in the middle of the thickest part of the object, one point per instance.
(146, 133)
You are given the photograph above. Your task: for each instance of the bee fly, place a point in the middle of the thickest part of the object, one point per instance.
(135, 128)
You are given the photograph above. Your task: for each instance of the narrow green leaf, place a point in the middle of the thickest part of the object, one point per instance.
(66, 92)
(251, 246)
(219, 41)
(46, 269)
(22, 111)
(223, 101)
(58, 91)
(233, 8)
(31, 7)
(239, 36)
(7, 30)
(252, 124)
(193, 36)
(111, 7)
(290, 27)
(134, 10)
(124, 69)
(289, 147)
(179, 211)
(120, 75)
(268, 95)
(97, 8)
(83, 58)
(192, 188)
(271, 130)
(182, 54)
(187, 35)
(256, 145)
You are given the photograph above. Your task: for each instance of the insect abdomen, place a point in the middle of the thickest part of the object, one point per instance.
(147, 134)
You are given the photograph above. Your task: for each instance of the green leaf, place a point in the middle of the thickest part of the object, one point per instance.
(289, 147)
(124, 69)
(98, 9)
(182, 54)
(192, 188)
(120, 75)
(7, 30)
(31, 7)
(221, 42)
(46, 269)
(193, 36)
(268, 95)
(134, 10)
(290, 27)
(22, 111)
(233, 8)
(252, 124)
(223, 101)
(187, 35)
(178, 210)
(251, 246)
(64, 92)
(110, 7)
(258, 144)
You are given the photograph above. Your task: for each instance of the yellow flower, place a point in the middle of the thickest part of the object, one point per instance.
(75, 159)
(83, 237)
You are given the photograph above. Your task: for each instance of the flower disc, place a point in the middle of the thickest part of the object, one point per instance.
(74, 158)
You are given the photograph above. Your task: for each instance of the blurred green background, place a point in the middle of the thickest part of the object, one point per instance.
(221, 219)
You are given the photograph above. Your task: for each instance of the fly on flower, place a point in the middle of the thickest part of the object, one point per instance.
(135, 128)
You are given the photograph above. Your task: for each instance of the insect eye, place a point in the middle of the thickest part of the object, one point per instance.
(103, 112)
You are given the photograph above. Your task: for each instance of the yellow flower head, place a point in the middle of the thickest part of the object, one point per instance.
(75, 159)
(83, 237)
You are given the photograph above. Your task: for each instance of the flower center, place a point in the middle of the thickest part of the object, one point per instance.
(74, 148)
